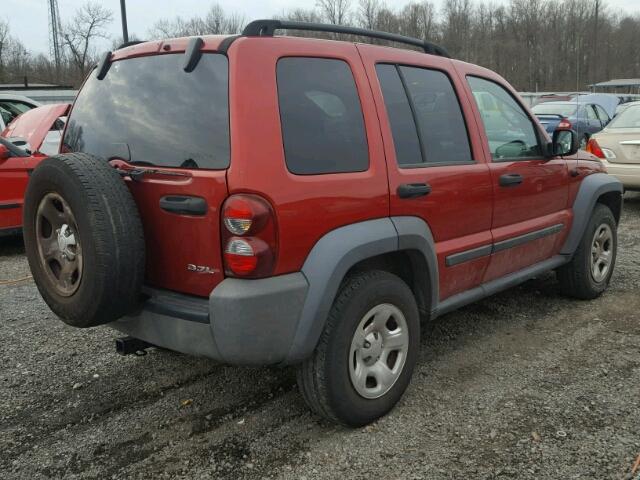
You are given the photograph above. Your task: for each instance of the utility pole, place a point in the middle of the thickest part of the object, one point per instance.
(594, 61)
(55, 32)
(123, 14)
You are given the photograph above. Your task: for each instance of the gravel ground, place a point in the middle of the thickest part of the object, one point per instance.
(525, 384)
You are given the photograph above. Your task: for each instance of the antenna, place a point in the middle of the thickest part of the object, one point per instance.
(55, 34)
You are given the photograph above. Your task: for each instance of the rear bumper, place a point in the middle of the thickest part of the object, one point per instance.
(628, 174)
(244, 322)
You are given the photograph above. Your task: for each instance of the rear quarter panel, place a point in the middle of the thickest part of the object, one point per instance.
(306, 206)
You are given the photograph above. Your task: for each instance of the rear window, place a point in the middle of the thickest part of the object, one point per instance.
(550, 109)
(322, 124)
(149, 111)
(630, 118)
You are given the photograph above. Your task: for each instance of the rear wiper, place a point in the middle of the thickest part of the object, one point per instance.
(136, 174)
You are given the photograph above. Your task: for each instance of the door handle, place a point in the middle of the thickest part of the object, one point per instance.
(510, 180)
(184, 205)
(413, 190)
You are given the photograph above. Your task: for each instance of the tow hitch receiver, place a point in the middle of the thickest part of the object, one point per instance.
(130, 345)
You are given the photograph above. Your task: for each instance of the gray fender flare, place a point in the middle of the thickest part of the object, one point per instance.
(591, 188)
(339, 250)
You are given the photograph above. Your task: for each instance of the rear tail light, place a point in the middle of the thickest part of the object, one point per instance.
(564, 123)
(248, 236)
(594, 148)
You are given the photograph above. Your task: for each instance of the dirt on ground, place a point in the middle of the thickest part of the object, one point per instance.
(526, 384)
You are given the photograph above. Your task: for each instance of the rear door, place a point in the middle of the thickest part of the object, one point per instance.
(434, 159)
(171, 129)
(530, 215)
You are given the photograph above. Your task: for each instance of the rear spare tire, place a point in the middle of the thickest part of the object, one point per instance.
(84, 239)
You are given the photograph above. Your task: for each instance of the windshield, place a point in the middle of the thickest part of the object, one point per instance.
(148, 110)
(629, 118)
(564, 109)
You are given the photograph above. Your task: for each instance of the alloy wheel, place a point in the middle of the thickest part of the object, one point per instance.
(601, 253)
(58, 243)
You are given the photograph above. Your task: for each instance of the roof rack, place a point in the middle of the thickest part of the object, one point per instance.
(266, 28)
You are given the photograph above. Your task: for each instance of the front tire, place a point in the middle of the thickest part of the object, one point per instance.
(588, 274)
(365, 357)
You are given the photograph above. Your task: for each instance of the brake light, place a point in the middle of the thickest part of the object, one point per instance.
(564, 124)
(248, 236)
(594, 148)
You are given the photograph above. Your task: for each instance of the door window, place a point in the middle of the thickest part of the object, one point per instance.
(426, 120)
(10, 109)
(591, 113)
(403, 126)
(510, 131)
(322, 123)
(604, 117)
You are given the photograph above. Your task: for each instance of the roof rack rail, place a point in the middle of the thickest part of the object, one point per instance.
(266, 28)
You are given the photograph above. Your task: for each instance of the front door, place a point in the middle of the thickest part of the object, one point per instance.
(531, 217)
(434, 159)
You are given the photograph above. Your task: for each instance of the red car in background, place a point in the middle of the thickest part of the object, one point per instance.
(30, 138)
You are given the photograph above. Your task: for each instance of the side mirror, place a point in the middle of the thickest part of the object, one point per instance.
(565, 142)
(4, 152)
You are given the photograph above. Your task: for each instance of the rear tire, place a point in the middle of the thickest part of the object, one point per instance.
(84, 239)
(353, 376)
(588, 274)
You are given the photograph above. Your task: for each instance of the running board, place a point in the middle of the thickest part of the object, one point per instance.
(490, 288)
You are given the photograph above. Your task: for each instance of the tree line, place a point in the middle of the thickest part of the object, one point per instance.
(538, 45)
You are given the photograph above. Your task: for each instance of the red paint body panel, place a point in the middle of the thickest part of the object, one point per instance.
(174, 241)
(306, 206)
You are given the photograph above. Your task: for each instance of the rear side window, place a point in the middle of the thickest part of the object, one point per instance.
(403, 126)
(322, 124)
(426, 120)
(149, 111)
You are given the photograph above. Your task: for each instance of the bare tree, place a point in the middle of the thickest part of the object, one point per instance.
(79, 35)
(335, 11)
(368, 11)
(215, 22)
(535, 44)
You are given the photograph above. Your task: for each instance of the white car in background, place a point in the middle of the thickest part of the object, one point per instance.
(618, 145)
(13, 105)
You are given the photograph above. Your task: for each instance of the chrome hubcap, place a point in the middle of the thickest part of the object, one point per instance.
(59, 248)
(601, 253)
(378, 351)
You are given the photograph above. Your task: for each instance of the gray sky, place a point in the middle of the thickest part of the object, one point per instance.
(28, 18)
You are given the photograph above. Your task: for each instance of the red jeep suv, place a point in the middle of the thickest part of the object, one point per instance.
(271, 200)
